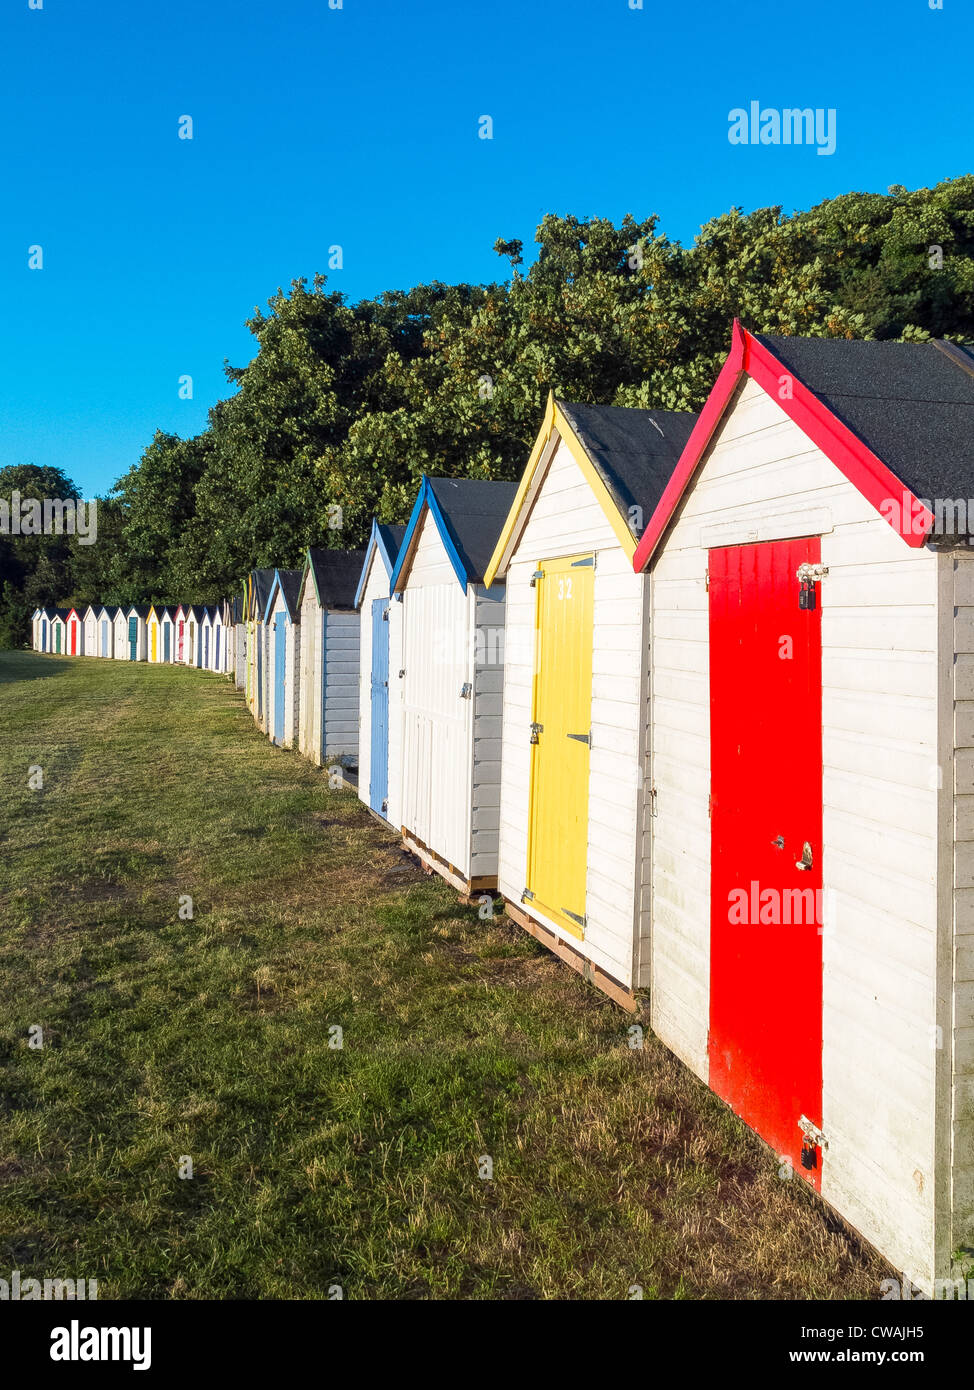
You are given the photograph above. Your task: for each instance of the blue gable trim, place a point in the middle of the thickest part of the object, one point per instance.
(376, 543)
(275, 586)
(427, 498)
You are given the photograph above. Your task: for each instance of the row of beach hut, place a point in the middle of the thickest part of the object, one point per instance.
(191, 635)
(695, 697)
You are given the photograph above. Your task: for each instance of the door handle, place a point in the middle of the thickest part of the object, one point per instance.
(806, 860)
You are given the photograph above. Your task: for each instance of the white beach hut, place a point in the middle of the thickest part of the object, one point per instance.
(812, 767)
(451, 678)
(283, 627)
(329, 659)
(576, 686)
(380, 650)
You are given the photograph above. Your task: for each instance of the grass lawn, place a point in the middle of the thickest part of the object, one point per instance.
(211, 1038)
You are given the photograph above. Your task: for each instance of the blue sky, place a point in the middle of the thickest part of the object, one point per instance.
(359, 127)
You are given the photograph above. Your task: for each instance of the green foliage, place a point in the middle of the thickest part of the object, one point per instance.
(348, 405)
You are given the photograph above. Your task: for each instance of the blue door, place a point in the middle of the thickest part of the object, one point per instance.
(166, 640)
(280, 660)
(379, 758)
(133, 639)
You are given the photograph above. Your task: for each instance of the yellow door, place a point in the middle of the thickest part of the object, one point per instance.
(558, 820)
(154, 632)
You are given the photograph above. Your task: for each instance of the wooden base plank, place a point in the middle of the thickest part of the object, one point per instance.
(590, 972)
(467, 887)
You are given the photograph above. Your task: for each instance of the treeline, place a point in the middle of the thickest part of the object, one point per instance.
(343, 407)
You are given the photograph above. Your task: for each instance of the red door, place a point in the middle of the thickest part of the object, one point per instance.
(765, 1039)
(74, 637)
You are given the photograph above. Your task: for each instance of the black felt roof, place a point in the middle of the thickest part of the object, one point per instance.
(263, 579)
(911, 403)
(336, 574)
(635, 451)
(475, 511)
(291, 588)
(141, 608)
(391, 539)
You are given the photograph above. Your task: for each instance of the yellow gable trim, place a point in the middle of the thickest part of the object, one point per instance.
(555, 421)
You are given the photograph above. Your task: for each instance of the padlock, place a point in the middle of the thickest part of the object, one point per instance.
(806, 595)
(809, 1154)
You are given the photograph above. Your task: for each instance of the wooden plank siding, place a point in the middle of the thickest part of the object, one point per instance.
(340, 685)
(762, 479)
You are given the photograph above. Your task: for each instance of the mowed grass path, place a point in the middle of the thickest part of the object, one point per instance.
(315, 1166)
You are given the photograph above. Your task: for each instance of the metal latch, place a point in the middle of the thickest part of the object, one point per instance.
(536, 729)
(808, 576)
(813, 1140)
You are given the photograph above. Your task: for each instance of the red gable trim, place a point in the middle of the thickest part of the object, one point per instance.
(894, 502)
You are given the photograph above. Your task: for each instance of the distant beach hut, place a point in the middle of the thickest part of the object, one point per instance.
(239, 666)
(120, 624)
(137, 615)
(89, 630)
(282, 619)
(74, 630)
(59, 631)
(329, 664)
(380, 648)
(206, 639)
(451, 678)
(35, 630)
(104, 634)
(258, 587)
(153, 635)
(166, 634)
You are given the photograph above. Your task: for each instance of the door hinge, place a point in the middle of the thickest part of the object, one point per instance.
(574, 916)
(527, 896)
(581, 564)
(466, 690)
(653, 806)
(706, 580)
(581, 738)
(538, 574)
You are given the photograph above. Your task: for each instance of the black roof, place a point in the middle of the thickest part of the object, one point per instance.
(635, 451)
(61, 612)
(196, 610)
(263, 579)
(291, 588)
(391, 539)
(336, 575)
(475, 510)
(142, 609)
(911, 403)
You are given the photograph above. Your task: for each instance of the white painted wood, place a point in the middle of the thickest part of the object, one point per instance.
(880, 816)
